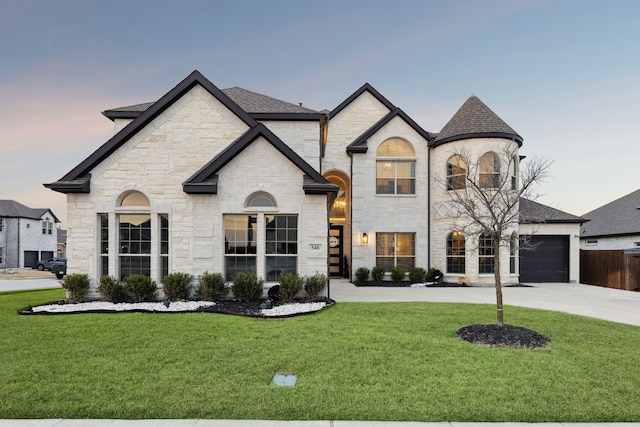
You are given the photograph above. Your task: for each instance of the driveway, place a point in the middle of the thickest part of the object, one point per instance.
(585, 300)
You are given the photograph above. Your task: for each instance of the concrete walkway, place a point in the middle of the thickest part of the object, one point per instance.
(585, 300)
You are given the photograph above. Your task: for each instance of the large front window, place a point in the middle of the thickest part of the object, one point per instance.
(396, 249)
(485, 254)
(281, 245)
(455, 253)
(275, 253)
(135, 244)
(395, 167)
(239, 244)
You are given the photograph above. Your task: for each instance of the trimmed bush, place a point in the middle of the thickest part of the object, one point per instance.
(139, 287)
(378, 273)
(362, 274)
(398, 274)
(177, 286)
(290, 285)
(417, 274)
(112, 290)
(247, 287)
(315, 284)
(76, 286)
(211, 286)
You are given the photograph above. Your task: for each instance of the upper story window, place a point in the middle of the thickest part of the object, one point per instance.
(395, 167)
(456, 173)
(1, 224)
(513, 173)
(135, 198)
(489, 170)
(47, 226)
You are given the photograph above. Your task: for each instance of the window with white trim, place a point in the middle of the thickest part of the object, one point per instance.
(395, 167)
(396, 250)
(489, 170)
(47, 226)
(485, 254)
(456, 253)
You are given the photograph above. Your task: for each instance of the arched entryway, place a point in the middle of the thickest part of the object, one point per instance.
(340, 225)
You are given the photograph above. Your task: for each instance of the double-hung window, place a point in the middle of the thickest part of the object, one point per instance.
(395, 167)
(455, 253)
(485, 254)
(396, 249)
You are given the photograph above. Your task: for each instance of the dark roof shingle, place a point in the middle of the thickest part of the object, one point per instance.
(619, 217)
(475, 120)
(534, 212)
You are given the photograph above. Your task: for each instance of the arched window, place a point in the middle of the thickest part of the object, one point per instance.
(135, 198)
(489, 170)
(339, 208)
(455, 253)
(485, 254)
(513, 173)
(260, 200)
(395, 167)
(456, 173)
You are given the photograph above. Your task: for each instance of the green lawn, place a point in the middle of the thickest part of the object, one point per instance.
(354, 361)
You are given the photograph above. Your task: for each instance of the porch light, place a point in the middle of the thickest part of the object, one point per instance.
(365, 239)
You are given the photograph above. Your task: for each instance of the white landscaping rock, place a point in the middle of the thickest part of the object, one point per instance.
(289, 309)
(109, 306)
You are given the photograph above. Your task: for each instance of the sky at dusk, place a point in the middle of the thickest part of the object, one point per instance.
(564, 74)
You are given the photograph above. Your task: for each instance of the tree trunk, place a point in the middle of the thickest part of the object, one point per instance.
(498, 280)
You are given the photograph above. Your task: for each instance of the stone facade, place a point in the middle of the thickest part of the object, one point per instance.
(198, 156)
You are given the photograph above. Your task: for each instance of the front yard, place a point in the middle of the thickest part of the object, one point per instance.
(360, 361)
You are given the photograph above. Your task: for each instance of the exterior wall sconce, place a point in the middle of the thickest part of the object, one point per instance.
(365, 239)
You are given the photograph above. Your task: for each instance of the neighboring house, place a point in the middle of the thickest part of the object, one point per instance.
(26, 235)
(615, 225)
(231, 180)
(62, 243)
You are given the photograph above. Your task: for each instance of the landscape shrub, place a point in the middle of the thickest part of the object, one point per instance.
(378, 273)
(431, 274)
(112, 290)
(247, 287)
(211, 286)
(76, 286)
(315, 284)
(290, 285)
(398, 273)
(362, 274)
(177, 286)
(139, 287)
(417, 274)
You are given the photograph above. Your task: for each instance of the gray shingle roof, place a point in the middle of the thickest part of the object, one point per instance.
(620, 217)
(534, 212)
(250, 102)
(13, 209)
(475, 120)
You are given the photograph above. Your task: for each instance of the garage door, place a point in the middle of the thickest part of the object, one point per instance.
(30, 259)
(547, 262)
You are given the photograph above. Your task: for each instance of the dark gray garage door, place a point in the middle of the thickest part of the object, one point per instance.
(547, 262)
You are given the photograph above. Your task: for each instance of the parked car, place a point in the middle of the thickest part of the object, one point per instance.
(59, 270)
(48, 263)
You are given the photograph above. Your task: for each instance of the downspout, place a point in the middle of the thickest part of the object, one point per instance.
(351, 213)
(429, 205)
(19, 245)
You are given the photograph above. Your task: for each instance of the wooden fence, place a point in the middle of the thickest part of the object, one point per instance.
(611, 269)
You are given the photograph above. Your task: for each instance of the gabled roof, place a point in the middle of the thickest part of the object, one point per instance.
(78, 179)
(258, 106)
(475, 120)
(205, 181)
(533, 213)
(13, 209)
(364, 88)
(617, 218)
(360, 144)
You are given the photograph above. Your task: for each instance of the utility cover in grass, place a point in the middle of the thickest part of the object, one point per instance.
(284, 380)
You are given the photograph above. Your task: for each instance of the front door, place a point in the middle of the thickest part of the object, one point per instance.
(335, 251)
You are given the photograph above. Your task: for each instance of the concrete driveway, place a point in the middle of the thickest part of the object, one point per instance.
(585, 300)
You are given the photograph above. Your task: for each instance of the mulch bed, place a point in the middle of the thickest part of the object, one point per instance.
(406, 284)
(503, 336)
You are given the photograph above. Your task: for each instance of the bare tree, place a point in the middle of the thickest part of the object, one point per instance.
(484, 197)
